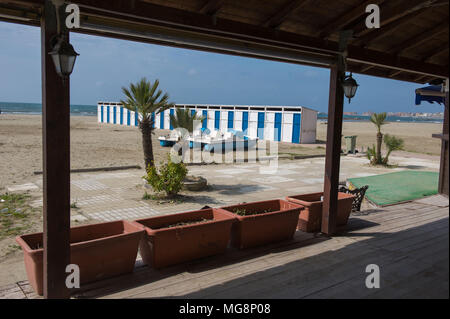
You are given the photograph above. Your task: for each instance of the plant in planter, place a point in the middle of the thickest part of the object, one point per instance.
(168, 178)
(311, 217)
(176, 238)
(100, 250)
(263, 222)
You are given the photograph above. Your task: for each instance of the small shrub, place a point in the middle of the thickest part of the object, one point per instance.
(372, 155)
(392, 143)
(168, 178)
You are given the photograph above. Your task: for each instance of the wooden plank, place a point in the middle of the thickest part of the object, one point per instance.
(418, 39)
(280, 16)
(346, 18)
(333, 149)
(56, 164)
(211, 7)
(376, 34)
(406, 237)
(391, 13)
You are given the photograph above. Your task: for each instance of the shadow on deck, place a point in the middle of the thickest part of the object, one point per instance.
(409, 242)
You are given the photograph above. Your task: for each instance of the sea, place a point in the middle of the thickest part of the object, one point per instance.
(91, 110)
(36, 108)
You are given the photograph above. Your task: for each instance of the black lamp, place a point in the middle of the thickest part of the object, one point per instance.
(350, 86)
(64, 56)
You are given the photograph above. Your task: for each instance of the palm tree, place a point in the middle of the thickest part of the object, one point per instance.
(185, 119)
(392, 144)
(378, 120)
(145, 98)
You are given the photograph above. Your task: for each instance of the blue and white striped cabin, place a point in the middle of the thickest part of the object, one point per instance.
(275, 123)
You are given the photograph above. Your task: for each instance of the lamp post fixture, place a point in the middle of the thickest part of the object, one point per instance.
(350, 86)
(64, 56)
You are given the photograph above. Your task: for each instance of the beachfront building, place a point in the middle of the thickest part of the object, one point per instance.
(292, 124)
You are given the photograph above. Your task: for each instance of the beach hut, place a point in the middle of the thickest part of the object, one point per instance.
(290, 124)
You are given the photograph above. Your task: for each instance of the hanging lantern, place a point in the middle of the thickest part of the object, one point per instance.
(350, 87)
(64, 57)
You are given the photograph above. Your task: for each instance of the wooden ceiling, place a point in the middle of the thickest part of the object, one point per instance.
(411, 45)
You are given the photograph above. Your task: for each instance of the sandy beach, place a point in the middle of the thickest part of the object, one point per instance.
(100, 145)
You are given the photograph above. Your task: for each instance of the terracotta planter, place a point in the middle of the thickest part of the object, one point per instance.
(165, 244)
(100, 250)
(311, 217)
(279, 223)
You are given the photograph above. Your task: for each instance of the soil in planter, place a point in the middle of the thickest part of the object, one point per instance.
(245, 212)
(191, 222)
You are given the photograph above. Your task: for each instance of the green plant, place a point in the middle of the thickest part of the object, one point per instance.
(392, 144)
(74, 205)
(244, 212)
(15, 214)
(378, 120)
(145, 99)
(372, 154)
(147, 196)
(183, 118)
(168, 178)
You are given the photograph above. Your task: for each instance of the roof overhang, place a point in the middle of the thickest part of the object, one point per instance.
(153, 23)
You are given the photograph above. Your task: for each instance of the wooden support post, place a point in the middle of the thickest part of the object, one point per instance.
(444, 166)
(56, 163)
(333, 151)
(334, 139)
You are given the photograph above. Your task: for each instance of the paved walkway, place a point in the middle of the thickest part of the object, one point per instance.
(107, 196)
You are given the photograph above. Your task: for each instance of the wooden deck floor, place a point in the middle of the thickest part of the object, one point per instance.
(409, 242)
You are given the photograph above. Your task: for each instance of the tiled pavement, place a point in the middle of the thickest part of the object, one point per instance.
(107, 196)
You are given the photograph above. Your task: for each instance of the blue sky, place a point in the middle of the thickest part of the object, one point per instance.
(105, 65)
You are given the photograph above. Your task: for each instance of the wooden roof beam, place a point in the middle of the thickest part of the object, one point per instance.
(188, 25)
(367, 68)
(431, 54)
(212, 7)
(395, 73)
(280, 16)
(387, 29)
(346, 18)
(393, 13)
(420, 38)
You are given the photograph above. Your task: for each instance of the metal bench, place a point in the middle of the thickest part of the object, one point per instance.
(359, 194)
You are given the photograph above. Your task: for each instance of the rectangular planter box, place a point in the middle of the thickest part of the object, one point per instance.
(254, 230)
(100, 250)
(163, 246)
(311, 217)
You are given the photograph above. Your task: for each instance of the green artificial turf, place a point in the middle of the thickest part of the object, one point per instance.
(392, 188)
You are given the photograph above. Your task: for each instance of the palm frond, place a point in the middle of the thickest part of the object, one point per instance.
(144, 98)
(184, 119)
